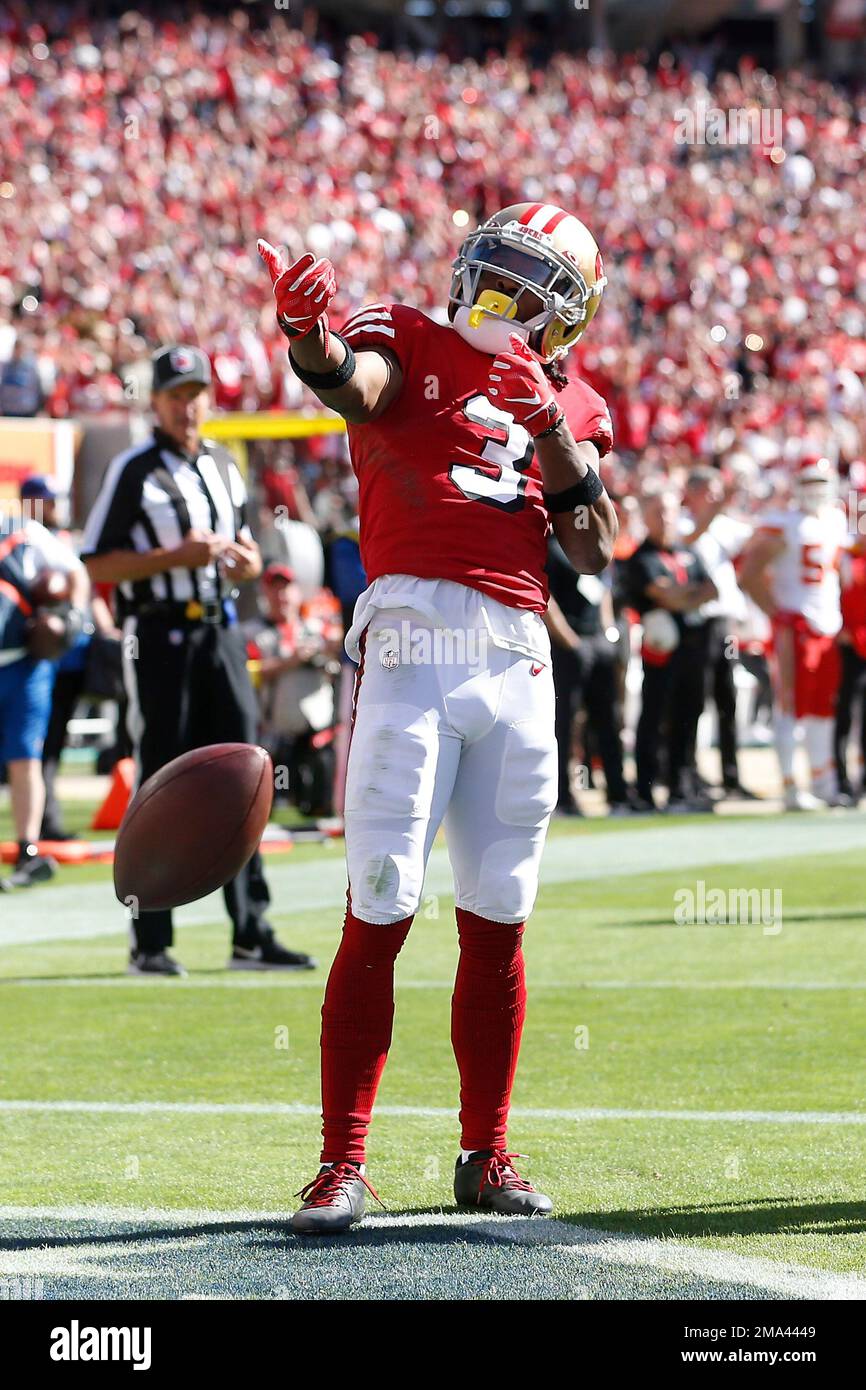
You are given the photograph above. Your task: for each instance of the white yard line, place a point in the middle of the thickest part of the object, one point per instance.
(610, 1247)
(299, 888)
(113, 1260)
(293, 980)
(583, 1114)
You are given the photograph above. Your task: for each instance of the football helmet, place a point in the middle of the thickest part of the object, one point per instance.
(545, 252)
(816, 483)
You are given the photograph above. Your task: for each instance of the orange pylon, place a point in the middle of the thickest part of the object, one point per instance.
(111, 812)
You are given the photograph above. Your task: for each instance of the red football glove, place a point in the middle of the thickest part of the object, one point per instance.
(518, 385)
(303, 291)
(588, 416)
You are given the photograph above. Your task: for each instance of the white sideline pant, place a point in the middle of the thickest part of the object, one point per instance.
(470, 741)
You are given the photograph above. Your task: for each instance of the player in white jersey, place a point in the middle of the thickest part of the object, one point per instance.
(791, 570)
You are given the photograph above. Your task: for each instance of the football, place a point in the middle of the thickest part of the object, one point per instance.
(192, 826)
(49, 589)
(46, 635)
(46, 629)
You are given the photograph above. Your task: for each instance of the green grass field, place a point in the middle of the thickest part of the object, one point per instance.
(693, 1097)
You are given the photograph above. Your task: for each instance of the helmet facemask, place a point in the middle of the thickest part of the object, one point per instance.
(533, 270)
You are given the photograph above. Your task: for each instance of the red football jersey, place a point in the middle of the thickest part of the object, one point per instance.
(449, 484)
(853, 576)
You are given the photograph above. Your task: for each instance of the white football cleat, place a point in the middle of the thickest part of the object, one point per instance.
(333, 1201)
(797, 800)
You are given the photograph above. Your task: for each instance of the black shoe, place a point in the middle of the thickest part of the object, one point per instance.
(488, 1179)
(266, 953)
(630, 804)
(153, 963)
(689, 805)
(333, 1201)
(643, 806)
(51, 832)
(30, 869)
(846, 799)
(738, 792)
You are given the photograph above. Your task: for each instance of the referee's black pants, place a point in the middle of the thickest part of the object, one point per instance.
(193, 689)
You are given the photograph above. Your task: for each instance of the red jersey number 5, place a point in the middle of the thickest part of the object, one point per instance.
(812, 565)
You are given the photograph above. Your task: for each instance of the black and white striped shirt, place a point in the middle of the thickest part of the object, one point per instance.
(150, 498)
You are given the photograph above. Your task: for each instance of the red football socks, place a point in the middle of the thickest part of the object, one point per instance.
(487, 1012)
(357, 1017)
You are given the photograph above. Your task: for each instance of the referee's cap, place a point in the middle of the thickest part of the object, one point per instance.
(172, 366)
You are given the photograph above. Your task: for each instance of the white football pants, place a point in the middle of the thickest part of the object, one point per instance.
(465, 735)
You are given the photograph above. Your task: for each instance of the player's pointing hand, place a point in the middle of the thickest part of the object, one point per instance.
(302, 291)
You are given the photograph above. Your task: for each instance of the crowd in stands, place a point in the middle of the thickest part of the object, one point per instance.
(142, 157)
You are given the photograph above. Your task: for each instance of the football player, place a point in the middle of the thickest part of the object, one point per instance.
(791, 570)
(470, 442)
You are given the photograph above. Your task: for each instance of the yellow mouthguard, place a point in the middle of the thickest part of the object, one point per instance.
(491, 302)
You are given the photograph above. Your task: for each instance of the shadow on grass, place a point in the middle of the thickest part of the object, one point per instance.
(756, 1216)
(846, 914)
(210, 972)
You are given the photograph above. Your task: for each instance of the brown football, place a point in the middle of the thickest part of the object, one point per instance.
(46, 635)
(49, 589)
(192, 826)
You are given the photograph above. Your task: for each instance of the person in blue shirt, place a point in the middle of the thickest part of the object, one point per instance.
(26, 549)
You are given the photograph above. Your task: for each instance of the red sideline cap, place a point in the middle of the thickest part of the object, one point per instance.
(278, 572)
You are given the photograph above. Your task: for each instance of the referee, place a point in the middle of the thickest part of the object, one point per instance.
(169, 529)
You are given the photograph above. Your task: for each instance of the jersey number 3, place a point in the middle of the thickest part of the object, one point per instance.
(507, 454)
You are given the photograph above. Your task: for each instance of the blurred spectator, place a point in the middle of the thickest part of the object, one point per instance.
(26, 550)
(38, 495)
(148, 156)
(585, 674)
(297, 546)
(718, 539)
(296, 657)
(75, 678)
(40, 500)
(20, 388)
(668, 584)
(852, 689)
